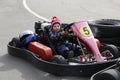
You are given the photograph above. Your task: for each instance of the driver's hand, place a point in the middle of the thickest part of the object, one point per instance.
(63, 33)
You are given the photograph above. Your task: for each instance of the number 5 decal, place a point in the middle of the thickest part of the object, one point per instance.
(85, 31)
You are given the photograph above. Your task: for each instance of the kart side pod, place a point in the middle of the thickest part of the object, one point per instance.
(41, 50)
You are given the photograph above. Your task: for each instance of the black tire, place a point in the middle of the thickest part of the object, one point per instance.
(16, 42)
(58, 59)
(118, 63)
(105, 28)
(115, 41)
(113, 49)
(111, 74)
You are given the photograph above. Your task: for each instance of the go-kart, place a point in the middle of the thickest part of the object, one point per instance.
(94, 55)
(109, 73)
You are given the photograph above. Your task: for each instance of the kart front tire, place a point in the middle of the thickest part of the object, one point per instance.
(113, 50)
(58, 59)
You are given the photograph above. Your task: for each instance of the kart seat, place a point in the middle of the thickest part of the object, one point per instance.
(46, 30)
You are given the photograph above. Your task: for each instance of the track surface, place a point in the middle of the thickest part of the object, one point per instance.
(14, 18)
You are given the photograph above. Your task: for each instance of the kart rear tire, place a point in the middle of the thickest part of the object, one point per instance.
(113, 49)
(58, 59)
(17, 44)
(118, 63)
(105, 28)
(111, 74)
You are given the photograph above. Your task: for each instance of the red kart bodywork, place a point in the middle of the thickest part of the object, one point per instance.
(41, 50)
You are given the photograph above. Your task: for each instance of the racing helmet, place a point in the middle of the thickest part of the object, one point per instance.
(25, 33)
(27, 36)
(55, 20)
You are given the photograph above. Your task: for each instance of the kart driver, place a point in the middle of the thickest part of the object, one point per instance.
(61, 44)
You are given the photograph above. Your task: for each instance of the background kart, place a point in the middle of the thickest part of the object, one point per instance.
(109, 73)
(58, 65)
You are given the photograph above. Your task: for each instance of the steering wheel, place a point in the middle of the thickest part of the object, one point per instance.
(70, 34)
(68, 30)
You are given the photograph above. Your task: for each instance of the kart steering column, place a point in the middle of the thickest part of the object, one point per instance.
(84, 33)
